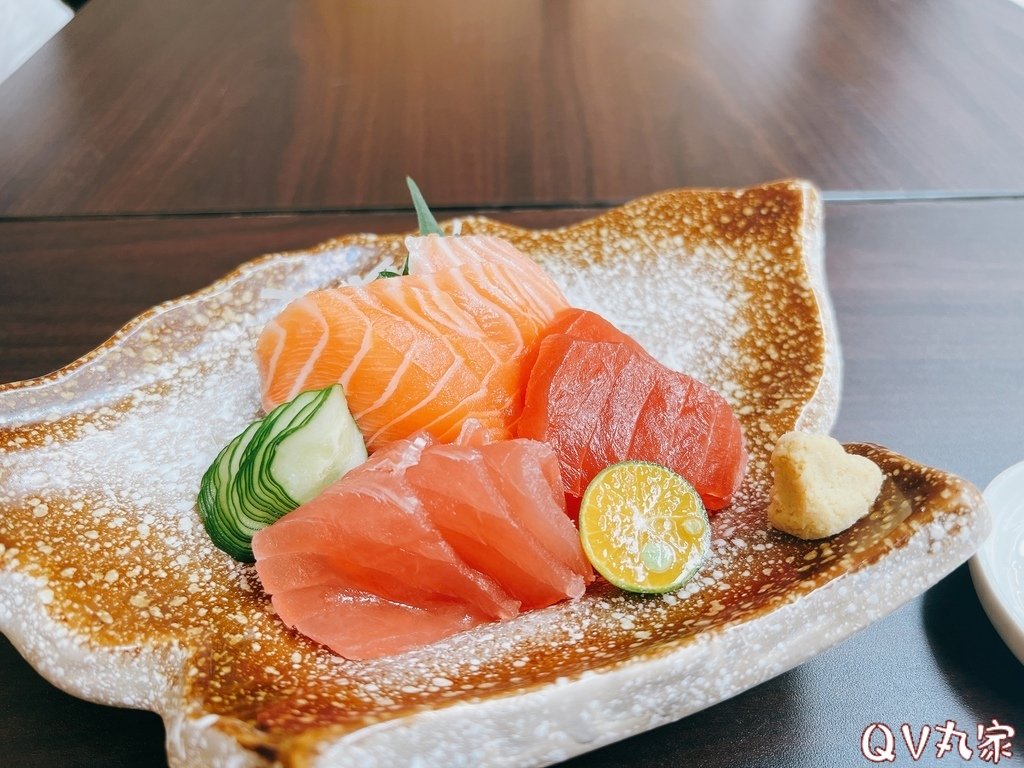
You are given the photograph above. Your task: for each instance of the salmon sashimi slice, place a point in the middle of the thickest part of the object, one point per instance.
(363, 533)
(518, 274)
(501, 507)
(598, 398)
(426, 351)
(424, 540)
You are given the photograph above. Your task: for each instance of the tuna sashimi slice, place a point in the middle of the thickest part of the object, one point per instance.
(358, 625)
(578, 324)
(598, 398)
(426, 351)
(365, 533)
(528, 470)
(424, 540)
(472, 495)
(527, 474)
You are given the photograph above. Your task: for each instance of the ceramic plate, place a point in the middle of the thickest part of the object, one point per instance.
(998, 567)
(112, 590)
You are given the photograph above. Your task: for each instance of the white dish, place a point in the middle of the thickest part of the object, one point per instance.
(998, 567)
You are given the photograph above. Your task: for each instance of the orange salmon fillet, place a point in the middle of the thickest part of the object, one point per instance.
(426, 351)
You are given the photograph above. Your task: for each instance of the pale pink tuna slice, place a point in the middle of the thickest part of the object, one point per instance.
(370, 533)
(358, 625)
(481, 524)
(503, 508)
(422, 541)
(526, 474)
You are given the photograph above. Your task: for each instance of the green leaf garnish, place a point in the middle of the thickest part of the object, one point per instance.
(428, 224)
(389, 273)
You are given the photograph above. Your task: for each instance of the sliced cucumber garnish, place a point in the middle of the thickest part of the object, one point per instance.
(307, 460)
(277, 463)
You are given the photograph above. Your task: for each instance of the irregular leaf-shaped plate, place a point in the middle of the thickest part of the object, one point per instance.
(112, 590)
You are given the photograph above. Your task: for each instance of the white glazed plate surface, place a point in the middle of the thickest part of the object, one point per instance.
(998, 567)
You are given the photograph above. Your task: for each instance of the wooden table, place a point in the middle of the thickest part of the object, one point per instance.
(152, 146)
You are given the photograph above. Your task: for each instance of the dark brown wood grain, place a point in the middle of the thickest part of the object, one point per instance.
(927, 297)
(149, 106)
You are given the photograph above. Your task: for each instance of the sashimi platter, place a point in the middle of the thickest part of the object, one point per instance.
(471, 495)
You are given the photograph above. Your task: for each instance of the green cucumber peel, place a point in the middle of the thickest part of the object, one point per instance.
(239, 494)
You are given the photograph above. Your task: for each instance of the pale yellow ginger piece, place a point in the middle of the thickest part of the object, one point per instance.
(820, 489)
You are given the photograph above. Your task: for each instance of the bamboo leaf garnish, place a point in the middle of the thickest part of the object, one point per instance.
(428, 225)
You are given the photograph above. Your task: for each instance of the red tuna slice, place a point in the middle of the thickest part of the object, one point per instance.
(519, 541)
(359, 625)
(589, 326)
(579, 324)
(569, 422)
(600, 402)
(370, 533)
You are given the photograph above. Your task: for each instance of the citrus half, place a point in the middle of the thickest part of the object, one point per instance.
(643, 527)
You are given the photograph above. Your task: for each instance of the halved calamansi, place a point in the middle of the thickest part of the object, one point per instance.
(643, 527)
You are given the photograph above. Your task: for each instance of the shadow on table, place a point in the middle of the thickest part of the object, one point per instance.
(971, 655)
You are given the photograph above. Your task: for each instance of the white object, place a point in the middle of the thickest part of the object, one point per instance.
(998, 567)
(25, 26)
